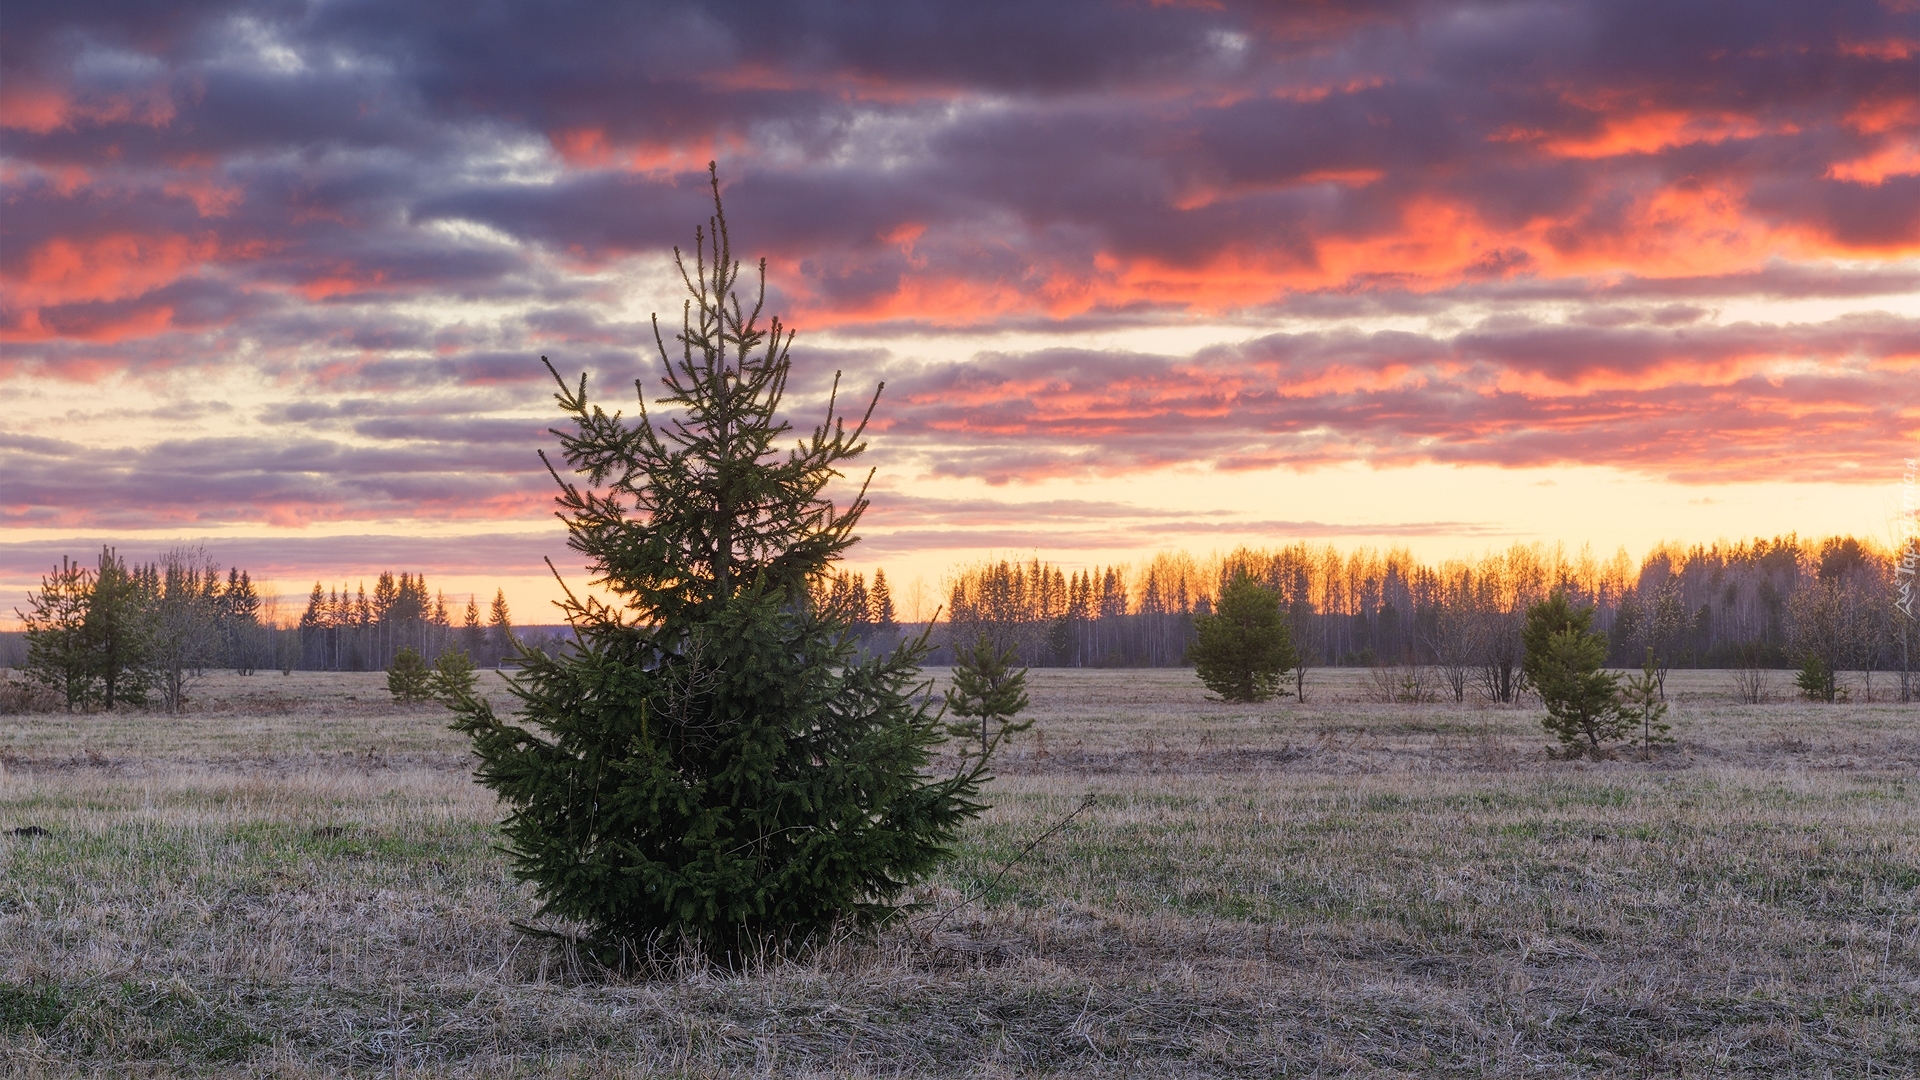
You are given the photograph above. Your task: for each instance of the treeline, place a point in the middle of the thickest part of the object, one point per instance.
(342, 631)
(847, 597)
(1753, 604)
(115, 634)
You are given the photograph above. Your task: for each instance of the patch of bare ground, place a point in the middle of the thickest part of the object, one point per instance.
(299, 879)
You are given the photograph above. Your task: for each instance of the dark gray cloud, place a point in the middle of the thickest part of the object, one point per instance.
(387, 211)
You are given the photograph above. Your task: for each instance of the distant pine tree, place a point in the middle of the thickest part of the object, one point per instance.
(473, 636)
(500, 628)
(880, 601)
(859, 606)
(239, 621)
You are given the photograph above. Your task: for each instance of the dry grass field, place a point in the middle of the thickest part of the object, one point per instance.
(297, 879)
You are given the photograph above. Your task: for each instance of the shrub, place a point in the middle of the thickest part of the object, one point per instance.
(26, 696)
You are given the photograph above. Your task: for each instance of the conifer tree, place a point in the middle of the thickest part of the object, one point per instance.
(1562, 664)
(123, 631)
(408, 678)
(1815, 679)
(239, 616)
(1243, 650)
(859, 606)
(1640, 700)
(452, 680)
(988, 690)
(881, 600)
(59, 655)
(712, 759)
(473, 636)
(500, 627)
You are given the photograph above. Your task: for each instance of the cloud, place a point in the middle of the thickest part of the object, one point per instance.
(902, 524)
(1546, 205)
(1683, 401)
(445, 471)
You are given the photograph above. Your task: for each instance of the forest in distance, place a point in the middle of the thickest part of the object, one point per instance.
(1752, 604)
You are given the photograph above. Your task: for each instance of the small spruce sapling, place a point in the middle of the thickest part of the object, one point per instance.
(1562, 664)
(1640, 701)
(452, 679)
(1816, 680)
(989, 692)
(1242, 650)
(408, 679)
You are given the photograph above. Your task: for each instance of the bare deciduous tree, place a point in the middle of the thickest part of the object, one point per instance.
(184, 588)
(1665, 628)
(1455, 639)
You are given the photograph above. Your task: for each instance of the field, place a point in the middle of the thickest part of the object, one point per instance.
(297, 879)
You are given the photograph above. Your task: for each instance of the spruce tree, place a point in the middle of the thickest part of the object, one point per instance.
(1243, 651)
(60, 655)
(408, 678)
(712, 760)
(473, 636)
(500, 628)
(1562, 664)
(124, 631)
(1816, 679)
(881, 599)
(452, 678)
(987, 691)
(240, 621)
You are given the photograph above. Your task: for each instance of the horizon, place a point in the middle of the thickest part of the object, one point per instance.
(283, 600)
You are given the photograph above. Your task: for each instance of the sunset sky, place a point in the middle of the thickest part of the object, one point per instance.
(1137, 276)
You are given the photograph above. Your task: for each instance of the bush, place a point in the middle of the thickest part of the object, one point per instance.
(711, 761)
(25, 696)
(1242, 650)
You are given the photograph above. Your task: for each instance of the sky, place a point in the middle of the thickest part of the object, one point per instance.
(275, 277)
